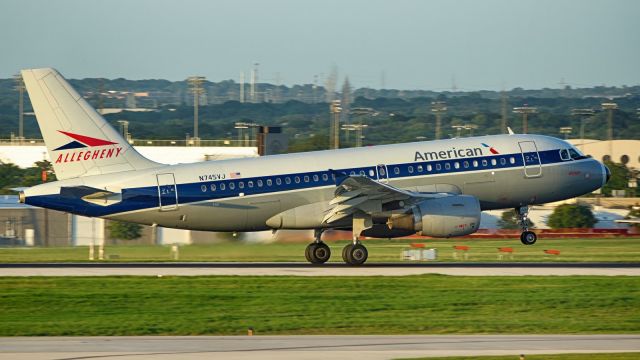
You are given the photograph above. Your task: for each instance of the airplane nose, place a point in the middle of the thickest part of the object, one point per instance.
(607, 173)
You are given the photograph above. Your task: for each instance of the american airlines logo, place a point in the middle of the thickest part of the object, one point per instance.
(86, 143)
(453, 153)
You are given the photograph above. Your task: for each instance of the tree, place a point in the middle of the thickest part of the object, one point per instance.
(124, 230)
(620, 175)
(571, 216)
(509, 220)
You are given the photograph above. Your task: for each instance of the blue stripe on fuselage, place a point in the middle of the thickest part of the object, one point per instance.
(147, 197)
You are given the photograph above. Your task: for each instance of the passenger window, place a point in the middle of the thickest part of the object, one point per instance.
(203, 188)
(485, 162)
(396, 170)
(287, 180)
(278, 181)
(438, 167)
(259, 183)
(213, 187)
(353, 172)
(232, 186)
(362, 172)
(325, 177)
(241, 185)
(456, 165)
(429, 168)
(494, 162)
(410, 169)
(372, 173)
(503, 161)
(222, 186)
(447, 166)
(316, 178)
(420, 168)
(512, 160)
(306, 178)
(250, 184)
(475, 163)
(465, 164)
(297, 179)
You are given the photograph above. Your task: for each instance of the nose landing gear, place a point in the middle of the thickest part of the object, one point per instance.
(527, 237)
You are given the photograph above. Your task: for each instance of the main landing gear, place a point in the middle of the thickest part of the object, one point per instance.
(317, 252)
(527, 237)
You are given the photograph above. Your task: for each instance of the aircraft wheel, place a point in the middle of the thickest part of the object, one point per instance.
(345, 252)
(357, 254)
(317, 253)
(528, 238)
(308, 250)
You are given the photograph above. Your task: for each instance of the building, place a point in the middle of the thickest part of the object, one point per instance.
(622, 151)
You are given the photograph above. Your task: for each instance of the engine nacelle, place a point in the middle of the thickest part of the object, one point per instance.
(455, 215)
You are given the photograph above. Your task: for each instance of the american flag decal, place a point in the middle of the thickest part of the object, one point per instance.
(234, 175)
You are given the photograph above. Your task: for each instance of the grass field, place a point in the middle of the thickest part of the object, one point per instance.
(616, 249)
(603, 356)
(429, 304)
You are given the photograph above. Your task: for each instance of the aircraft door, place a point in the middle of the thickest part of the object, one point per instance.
(531, 159)
(167, 192)
(383, 175)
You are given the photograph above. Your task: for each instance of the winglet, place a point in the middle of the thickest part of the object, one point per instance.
(509, 130)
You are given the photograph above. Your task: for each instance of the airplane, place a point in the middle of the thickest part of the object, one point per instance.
(434, 188)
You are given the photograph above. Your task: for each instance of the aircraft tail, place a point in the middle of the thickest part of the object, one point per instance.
(80, 142)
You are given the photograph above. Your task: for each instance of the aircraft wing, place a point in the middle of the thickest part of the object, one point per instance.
(360, 193)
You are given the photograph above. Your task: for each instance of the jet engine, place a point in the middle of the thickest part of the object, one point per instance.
(455, 215)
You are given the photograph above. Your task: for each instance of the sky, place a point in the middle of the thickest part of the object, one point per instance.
(403, 44)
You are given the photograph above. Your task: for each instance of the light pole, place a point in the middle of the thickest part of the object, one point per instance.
(459, 128)
(247, 137)
(566, 130)
(438, 107)
(335, 109)
(358, 128)
(525, 111)
(609, 107)
(195, 84)
(585, 114)
(20, 88)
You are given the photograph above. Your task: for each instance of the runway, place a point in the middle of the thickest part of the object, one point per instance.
(330, 269)
(306, 347)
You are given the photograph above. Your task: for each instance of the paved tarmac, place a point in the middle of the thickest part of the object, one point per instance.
(305, 347)
(331, 269)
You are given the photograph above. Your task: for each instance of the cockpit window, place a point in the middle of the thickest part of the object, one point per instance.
(564, 155)
(575, 155)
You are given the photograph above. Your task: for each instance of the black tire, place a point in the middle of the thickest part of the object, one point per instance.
(308, 251)
(321, 253)
(528, 238)
(357, 255)
(345, 253)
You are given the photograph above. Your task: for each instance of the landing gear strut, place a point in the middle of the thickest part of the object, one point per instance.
(317, 252)
(355, 253)
(527, 237)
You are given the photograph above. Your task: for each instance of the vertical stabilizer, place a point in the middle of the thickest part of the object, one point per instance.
(80, 142)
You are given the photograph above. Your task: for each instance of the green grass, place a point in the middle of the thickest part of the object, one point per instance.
(603, 356)
(227, 305)
(616, 249)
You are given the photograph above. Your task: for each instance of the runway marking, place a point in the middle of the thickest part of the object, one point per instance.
(332, 269)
